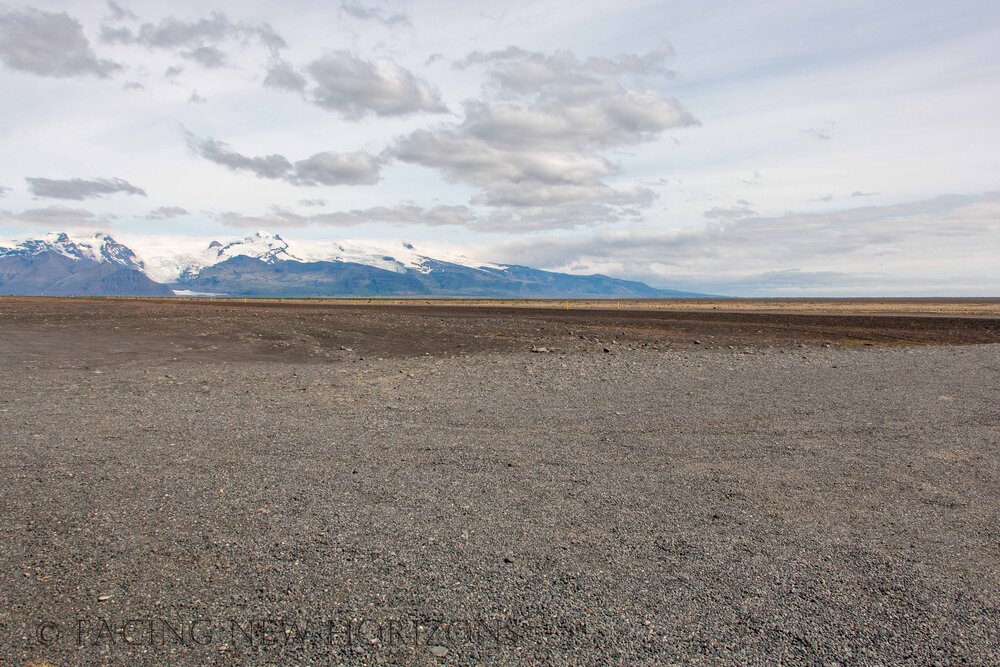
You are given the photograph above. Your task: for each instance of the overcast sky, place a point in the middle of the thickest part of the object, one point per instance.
(783, 147)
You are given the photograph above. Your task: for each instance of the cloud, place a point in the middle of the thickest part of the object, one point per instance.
(283, 76)
(197, 40)
(81, 188)
(357, 88)
(269, 166)
(331, 168)
(365, 13)
(54, 217)
(133, 85)
(327, 168)
(742, 209)
(313, 202)
(111, 35)
(858, 193)
(196, 98)
(4, 191)
(910, 245)
(119, 13)
(824, 131)
(516, 66)
(173, 71)
(48, 44)
(208, 57)
(534, 144)
(402, 214)
(171, 33)
(167, 213)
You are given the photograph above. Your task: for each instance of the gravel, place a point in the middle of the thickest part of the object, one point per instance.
(818, 506)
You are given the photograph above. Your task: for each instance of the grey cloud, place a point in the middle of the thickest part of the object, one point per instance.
(119, 13)
(173, 34)
(112, 35)
(4, 191)
(855, 195)
(55, 217)
(337, 169)
(516, 66)
(313, 202)
(81, 188)
(534, 144)
(174, 70)
(472, 159)
(651, 63)
(267, 36)
(824, 131)
(367, 13)
(601, 120)
(562, 216)
(741, 210)
(269, 166)
(827, 252)
(196, 98)
(167, 213)
(327, 168)
(283, 76)
(402, 214)
(133, 85)
(356, 88)
(208, 57)
(48, 44)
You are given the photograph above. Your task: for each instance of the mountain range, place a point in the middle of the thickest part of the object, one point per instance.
(266, 265)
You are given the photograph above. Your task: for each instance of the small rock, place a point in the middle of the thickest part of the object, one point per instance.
(607, 349)
(697, 342)
(540, 350)
(439, 651)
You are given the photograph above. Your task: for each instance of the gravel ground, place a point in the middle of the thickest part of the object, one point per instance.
(800, 506)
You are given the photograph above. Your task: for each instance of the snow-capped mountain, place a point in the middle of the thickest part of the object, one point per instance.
(58, 264)
(97, 248)
(398, 257)
(264, 264)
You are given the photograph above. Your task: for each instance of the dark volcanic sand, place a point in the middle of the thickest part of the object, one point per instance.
(796, 489)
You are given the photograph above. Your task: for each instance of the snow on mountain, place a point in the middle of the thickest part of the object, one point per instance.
(264, 264)
(170, 264)
(98, 248)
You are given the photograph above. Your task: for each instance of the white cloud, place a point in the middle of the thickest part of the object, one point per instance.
(534, 144)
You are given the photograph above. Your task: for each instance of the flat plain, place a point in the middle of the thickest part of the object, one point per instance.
(343, 482)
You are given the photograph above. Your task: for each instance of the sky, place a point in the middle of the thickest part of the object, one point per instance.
(785, 148)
